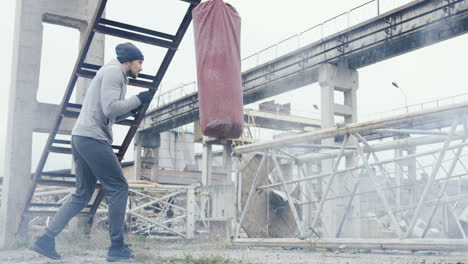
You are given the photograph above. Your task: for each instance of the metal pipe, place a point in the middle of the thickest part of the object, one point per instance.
(399, 143)
(46, 193)
(158, 224)
(442, 112)
(152, 197)
(155, 200)
(389, 188)
(459, 245)
(318, 176)
(412, 131)
(319, 146)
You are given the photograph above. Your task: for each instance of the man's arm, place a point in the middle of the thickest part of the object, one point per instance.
(110, 96)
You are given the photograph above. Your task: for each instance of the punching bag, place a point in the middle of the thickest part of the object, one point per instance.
(217, 46)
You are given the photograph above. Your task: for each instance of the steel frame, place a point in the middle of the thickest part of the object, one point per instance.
(144, 199)
(433, 147)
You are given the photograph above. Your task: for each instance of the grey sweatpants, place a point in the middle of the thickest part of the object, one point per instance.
(95, 160)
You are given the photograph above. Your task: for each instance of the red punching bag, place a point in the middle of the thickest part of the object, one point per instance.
(217, 46)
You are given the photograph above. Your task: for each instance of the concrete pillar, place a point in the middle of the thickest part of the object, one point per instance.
(407, 167)
(137, 159)
(190, 221)
(206, 164)
(206, 178)
(25, 114)
(412, 191)
(155, 167)
(145, 143)
(337, 79)
(227, 161)
(228, 200)
(175, 150)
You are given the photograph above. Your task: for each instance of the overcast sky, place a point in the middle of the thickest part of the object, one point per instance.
(426, 74)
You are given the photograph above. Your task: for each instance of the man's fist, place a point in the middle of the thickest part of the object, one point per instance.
(145, 97)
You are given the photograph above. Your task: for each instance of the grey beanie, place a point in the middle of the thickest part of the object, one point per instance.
(128, 52)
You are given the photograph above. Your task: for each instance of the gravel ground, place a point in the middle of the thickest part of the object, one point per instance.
(154, 251)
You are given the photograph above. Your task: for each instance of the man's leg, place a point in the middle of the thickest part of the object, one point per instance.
(106, 167)
(85, 183)
(85, 186)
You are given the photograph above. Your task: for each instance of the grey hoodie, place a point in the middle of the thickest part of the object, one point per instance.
(105, 103)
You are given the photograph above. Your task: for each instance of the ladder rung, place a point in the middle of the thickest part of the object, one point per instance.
(60, 150)
(127, 122)
(86, 73)
(61, 141)
(145, 84)
(50, 212)
(134, 36)
(195, 2)
(92, 68)
(61, 183)
(68, 142)
(139, 83)
(68, 150)
(52, 205)
(154, 33)
(56, 183)
(58, 174)
(72, 105)
(70, 114)
(145, 77)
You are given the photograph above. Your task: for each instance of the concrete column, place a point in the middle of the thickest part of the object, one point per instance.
(137, 160)
(228, 200)
(206, 178)
(206, 164)
(190, 221)
(407, 166)
(146, 142)
(412, 195)
(25, 114)
(155, 167)
(337, 79)
(227, 161)
(399, 171)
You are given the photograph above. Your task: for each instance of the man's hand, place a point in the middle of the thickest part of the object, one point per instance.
(145, 97)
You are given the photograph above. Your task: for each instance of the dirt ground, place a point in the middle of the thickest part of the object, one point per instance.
(93, 250)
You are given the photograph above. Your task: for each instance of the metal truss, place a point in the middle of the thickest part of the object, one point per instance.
(418, 198)
(153, 209)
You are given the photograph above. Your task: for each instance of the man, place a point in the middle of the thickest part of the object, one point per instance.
(94, 158)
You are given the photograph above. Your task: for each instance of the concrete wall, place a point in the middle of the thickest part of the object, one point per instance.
(176, 151)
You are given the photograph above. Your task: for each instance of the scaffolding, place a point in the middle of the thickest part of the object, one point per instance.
(393, 183)
(153, 209)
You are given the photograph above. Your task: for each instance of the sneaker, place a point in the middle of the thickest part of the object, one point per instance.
(45, 246)
(120, 253)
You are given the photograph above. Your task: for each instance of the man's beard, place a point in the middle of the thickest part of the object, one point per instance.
(131, 75)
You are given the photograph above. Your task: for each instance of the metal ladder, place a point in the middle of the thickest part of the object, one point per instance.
(70, 110)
